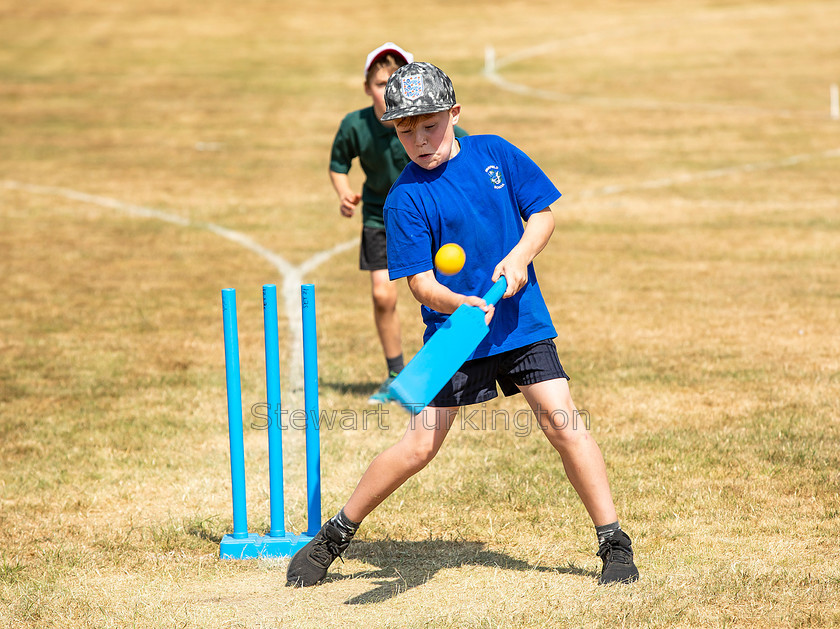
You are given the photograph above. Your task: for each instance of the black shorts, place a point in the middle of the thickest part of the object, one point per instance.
(476, 380)
(373, 253)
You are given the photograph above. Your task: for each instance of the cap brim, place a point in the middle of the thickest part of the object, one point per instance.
(419, 110)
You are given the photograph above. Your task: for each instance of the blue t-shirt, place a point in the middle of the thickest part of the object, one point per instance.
(478, 199)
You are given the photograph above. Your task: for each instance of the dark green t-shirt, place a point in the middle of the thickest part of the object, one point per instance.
(380, 153)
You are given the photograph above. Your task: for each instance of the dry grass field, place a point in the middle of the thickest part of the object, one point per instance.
(694, 279)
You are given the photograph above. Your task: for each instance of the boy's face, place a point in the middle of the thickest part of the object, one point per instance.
(429, 140)
(375, 88)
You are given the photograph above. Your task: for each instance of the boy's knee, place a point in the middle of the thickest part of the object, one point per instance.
(566, 420)
(565, 427)
(384, 296)
(419, 456)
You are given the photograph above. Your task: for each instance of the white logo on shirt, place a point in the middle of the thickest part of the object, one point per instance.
(495, 176)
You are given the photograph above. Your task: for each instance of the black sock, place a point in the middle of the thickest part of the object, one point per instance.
(606, 531)
(345, 525)
(395, 365)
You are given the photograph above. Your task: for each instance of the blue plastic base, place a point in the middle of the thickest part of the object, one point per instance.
(260, 546)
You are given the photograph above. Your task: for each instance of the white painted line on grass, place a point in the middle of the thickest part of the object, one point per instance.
(532, 92)
(667, 182)
(493, 63)
(292, 274)
(126, 208)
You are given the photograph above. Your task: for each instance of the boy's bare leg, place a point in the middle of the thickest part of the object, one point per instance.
(384, 293)
(557, 416)
(390, 469)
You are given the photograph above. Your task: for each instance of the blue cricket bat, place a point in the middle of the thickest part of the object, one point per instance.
(444, 353)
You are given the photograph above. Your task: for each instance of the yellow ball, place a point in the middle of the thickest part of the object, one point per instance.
(450, 259)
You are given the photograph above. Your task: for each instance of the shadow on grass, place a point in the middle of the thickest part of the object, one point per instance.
(406, 565)
(350, 388)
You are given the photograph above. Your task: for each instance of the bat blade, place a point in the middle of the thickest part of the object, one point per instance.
(443, 354)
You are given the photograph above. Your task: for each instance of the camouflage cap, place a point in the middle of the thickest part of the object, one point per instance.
(415, 89)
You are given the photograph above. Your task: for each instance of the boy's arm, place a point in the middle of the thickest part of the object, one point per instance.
(348, 199)
(514, 266)
(432, 294)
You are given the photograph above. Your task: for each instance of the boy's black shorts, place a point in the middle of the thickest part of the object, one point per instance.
(373, 253)
(476, 380)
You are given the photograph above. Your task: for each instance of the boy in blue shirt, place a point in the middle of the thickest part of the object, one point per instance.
(475, 191)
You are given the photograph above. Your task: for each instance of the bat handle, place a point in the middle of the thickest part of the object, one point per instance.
(495, 293)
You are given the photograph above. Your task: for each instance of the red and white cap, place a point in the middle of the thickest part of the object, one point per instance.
(384, 49)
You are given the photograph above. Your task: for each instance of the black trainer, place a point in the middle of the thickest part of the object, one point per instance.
(617, 555)
(309, 565)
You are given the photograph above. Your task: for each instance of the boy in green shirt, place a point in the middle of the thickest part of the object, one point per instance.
(361, 135)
